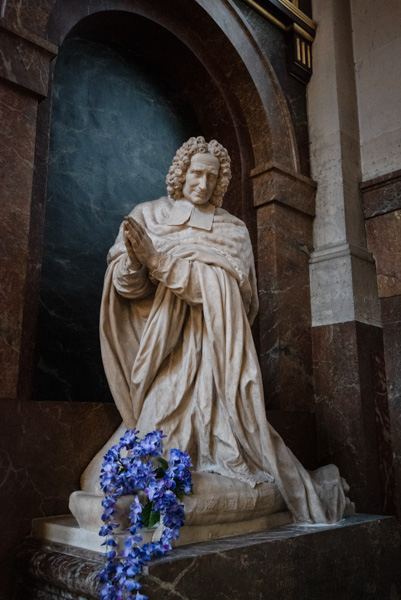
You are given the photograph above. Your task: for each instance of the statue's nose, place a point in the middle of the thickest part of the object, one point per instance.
(203, 183)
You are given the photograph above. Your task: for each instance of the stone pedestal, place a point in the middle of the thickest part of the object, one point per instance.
(357, 558)
(65, 530)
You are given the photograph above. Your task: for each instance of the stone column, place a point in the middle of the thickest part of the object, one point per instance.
(346, 327)
(285, 207)
(24, 75)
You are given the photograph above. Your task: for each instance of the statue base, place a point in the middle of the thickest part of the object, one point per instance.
(357, 558)
(65, 530)
(219, 503)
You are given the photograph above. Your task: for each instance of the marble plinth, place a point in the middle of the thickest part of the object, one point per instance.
(359, 558)
(65, 530)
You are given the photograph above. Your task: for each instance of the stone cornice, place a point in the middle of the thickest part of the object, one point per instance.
(25, 58)
(274, 183)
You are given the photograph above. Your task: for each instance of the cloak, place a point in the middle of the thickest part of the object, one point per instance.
(179, 356)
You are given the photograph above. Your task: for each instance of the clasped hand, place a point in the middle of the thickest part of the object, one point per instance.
(140, 248)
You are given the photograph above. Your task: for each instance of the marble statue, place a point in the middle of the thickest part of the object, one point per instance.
(178, 303)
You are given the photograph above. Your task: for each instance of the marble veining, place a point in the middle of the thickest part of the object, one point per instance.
(356, 558)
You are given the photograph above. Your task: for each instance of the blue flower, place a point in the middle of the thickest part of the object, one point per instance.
(135, 511)
(129, 438)
(108, 529)
(174, 517)
(177, 456)
(133, 585)
(109, 542)
(162, 483)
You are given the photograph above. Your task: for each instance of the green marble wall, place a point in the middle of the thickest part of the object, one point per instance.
(116, 124)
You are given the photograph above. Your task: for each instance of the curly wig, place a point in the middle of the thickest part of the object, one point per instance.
(196, 145)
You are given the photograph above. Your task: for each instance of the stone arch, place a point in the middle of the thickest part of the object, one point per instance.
(218, 36)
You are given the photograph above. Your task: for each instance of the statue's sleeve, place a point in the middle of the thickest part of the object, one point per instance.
(180, 276)
(131, 283)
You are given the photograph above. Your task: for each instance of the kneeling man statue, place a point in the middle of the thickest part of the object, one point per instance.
(178, 303)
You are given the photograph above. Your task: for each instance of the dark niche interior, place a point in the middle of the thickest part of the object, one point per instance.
(117, 120)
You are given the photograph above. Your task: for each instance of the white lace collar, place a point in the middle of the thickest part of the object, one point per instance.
(197, 215)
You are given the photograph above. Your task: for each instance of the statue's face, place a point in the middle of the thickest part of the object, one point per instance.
(201, 178)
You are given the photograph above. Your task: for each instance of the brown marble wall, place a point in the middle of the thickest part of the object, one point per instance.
(27, 472)
(284, 216)
(41, 459)
(352, 419)
(24, 72)
(391, 318)
(384, 239)
(381, 199)
(18, 117)
(31, 16)
(381, 195)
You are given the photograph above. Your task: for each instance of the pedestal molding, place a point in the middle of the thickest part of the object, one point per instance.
(338, 250)
(372, 322)
(343, 285)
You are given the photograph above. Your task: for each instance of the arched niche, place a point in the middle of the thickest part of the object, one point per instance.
(209, 56)
(218, 36)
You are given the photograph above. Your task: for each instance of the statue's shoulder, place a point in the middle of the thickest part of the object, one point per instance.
(151, 206)
(224, 217)
(154, 210)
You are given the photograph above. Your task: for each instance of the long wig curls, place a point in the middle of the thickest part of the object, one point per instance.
(196, 145)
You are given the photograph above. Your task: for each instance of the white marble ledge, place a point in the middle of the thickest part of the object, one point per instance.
(64, 529)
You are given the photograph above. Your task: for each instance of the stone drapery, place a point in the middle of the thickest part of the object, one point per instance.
(179, 356)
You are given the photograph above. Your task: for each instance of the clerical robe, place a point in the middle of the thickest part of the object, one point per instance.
(179, 356)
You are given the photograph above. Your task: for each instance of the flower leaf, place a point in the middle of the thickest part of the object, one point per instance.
(163, 463)
(146, 512)
(179, 492)
(154, 518)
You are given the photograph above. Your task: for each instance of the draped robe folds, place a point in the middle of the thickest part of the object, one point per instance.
(179, 357)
